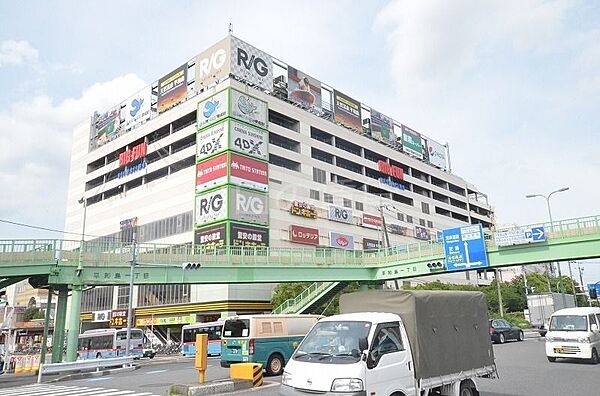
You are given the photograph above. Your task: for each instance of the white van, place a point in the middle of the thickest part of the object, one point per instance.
(574, 333)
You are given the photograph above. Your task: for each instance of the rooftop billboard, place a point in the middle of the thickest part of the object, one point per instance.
(172, 88)
(437, 154)
(251, 64)
(304, 89)
(411, 142)
(346, 111)
(213, 64)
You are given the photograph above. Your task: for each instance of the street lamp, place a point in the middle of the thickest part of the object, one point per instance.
(82, 201)
(547, 198)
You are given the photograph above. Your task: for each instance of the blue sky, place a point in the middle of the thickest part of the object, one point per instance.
(513, 86)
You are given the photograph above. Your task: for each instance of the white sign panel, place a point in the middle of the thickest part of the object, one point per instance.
(251, 64)
(520, 236)
(211, 140)
(342, 215)
(212, 109)
(249, 140)
(249, 206)
(249, 109)
(101, 316)
(137, 108)
(211, 207)
(437, 154)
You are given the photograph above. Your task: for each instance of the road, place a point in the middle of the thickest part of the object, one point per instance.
(522, 367)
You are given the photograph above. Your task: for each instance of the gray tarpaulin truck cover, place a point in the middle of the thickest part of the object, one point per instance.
(448, 330)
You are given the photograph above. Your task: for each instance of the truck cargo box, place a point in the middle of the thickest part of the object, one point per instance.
(448, 331)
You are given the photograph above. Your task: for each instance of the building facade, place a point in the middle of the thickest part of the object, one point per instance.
(235, 147)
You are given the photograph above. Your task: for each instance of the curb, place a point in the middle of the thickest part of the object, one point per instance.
(210, 388)
(92, 374)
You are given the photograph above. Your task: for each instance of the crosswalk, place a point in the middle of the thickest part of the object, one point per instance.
(60, 390)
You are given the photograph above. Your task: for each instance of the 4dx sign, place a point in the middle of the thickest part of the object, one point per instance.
(232, 135)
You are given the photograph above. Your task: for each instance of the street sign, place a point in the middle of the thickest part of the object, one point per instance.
(520, 236)
(464, 248)
(594, 286)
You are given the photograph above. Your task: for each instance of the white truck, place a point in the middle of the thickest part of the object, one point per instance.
(541, 306)
(395, 343)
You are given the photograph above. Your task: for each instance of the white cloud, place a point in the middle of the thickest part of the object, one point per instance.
(17, 52)
(35, 148)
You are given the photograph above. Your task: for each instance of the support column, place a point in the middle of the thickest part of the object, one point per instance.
(46, 325)
(73, 335)
(60, 318)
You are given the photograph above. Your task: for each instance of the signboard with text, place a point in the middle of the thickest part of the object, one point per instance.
(249, 172)
(520, 236)
(247, 235)
(212, 109)
(341, 241)
(118, 318)
(303, 209)
(251, 64)
(371, 244)
(213, 64)
(411, 142)
(211, 207)
(371, 221)
(248, 206)
(342, 215)
(305, 235)
(346, 111)
(172, 89)
(211, 173)
(464, 248)
(211, 237)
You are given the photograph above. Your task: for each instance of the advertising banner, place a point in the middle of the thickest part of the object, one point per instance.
(212, 109)
(211, 207)
(390, 170)
(247, 235)
(411, 142)
(118, 318)
(248, 206)
(342, 215)
(437, 154)
(138, 109)
(371, 244)
(172, 89)
(249, 140)
(251, 64)
(382, 127)
(371, 221)
(211, 140)
(249, 109)
(166, 320)
(341, 241)
(397, 229)
(101, 316)
(211, 173)
(422, 233)
(211, 237)
(346, 111)
(304, 89)
(303, 209)
(213, 64)
(305, 235)
(248, 172)
(107, 126)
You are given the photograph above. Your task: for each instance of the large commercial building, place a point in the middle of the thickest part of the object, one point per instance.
(235, 147)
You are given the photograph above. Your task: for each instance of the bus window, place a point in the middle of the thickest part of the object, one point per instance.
(102, 342)
(136, 334)
(84, 343)
(236, 328)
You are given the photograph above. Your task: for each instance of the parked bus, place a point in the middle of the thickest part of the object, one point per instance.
(188, 337)
(107, 343)
(266, 339)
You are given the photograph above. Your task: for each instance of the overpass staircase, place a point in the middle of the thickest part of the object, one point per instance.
(312, 297)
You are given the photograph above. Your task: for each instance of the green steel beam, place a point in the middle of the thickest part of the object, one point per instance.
(60, 318)
(73, 334)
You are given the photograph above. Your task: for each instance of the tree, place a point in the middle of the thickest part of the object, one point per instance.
(32, 313)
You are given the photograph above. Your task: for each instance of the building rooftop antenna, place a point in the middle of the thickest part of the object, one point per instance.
(230, 28)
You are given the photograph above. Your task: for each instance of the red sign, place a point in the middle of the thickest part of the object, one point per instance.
(128, 156)
(390, 170)
(371, 221)
(248, 172)
(212, 172)
(306, 235)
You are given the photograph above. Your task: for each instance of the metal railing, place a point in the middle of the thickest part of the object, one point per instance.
(312, 291)
(83, 365)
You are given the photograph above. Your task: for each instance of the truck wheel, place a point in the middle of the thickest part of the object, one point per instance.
(521, 336)
(501, 338)
(466, 389)
(275, 364)
(594, 359)
(551, 359)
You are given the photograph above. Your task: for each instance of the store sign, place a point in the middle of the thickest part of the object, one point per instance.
(211, 173)
(172, 89)
(129, 169)
(251, 64)
(248, 172)
(341, 241)
(411, 142)
(371, 244)
(249, 109)
(166, 320)
(128, 223)
(249, 140)
(118, 318)
(371, 221)
(303, 209)
(210, 237)
(137, 152)
(248, 206)
(211, 141)
(212, 109)
(422, 233)
(397, 229)
(343, 215)
(391, 183)
(101, 316)
(390, 170)
(213, 64)
(305, 235)
(211, 207)
(246, 235)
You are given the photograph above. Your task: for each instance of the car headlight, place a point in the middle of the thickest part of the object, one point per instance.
(286, 378)
(584, 340)
(347, 385)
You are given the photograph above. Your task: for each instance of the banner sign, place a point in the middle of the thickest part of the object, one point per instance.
(305, 235)
(249, 109)
(251, 64)
(137, 152)
(101, 316)
(246, 235)
(211, 140)
(422, 233)
(211, 173)
(341, 241)
(211, 207)
(212, 109)
(210, 237)
(391, 183)
(346, 111)
(411, 142)
(166, 320)
(382, 127)
(248, 172)
(437, 154)
(172, 89)
(138, 109)
(128, 224)
(303, 209)
(118, 318)
(390, 170)
(304, 89)
(248, 206)
(107, 125)
(371, 244)
(213, 64)
(371, 221)
(397, 229)
(249, 140)
(129, 169)
(343, 215)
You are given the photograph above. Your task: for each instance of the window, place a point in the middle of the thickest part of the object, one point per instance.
(401, 216)
(314, 194)
(425, 207)
(123, 297)
(429, 224)
(319, 175)
(422, 222)
(328, 198)
(409, 219)
(347, 203)
(387, 339)
(358, 206)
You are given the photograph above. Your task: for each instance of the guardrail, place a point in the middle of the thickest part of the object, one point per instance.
(83, 365)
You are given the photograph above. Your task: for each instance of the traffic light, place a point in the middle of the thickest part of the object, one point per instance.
(436, 266)
(190, 266)
(593, 293)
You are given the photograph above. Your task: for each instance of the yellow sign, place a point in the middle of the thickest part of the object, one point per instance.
(303, 209)
(166, 320)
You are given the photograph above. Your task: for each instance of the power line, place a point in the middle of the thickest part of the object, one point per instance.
(45, 228)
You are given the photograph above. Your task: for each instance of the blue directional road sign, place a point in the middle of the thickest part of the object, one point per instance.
(594, 286)
(464, 248)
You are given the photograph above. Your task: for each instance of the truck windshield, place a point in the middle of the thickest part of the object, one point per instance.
(236, 328)
(568, 323)
(333, 342)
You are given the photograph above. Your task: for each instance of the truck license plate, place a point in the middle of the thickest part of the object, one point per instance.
(558, 350)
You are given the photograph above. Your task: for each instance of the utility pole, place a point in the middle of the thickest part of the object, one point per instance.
(572, 282)
(581, 283)
(497, 273)
(130, 303)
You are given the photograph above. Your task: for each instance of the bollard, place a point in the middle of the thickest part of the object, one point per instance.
(18, 364)
(201, 356)
(247, 371)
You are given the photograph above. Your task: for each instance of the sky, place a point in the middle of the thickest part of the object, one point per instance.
(512, 86)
